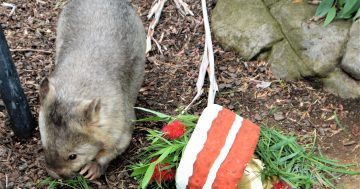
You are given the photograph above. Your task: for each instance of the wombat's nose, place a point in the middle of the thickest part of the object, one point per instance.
(57, 174)
(52, 173)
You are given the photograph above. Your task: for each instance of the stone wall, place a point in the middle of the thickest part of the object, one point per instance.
(295, 46)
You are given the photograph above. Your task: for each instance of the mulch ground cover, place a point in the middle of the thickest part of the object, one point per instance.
(296, 107)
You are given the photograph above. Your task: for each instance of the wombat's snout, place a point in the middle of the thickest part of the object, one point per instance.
(60, 173)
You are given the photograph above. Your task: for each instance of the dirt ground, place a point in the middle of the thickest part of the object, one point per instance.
(295, 107)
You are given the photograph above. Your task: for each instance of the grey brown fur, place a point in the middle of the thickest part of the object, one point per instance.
(87, 102)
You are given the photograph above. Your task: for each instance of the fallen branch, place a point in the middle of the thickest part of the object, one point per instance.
(31, 50)
(183, 7)
(12, 6)
(155, 13)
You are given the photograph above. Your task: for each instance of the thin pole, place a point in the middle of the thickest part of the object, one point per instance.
(21, 119)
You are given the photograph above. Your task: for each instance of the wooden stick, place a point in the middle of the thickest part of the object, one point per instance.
(33, 50)
(183, 7)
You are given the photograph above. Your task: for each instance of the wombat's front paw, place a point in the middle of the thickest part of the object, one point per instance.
(93, 169)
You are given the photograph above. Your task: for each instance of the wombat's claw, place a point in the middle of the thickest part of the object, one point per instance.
(93, 170)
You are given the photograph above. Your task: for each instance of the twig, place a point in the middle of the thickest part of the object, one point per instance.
(6, 181)
(183, 7)
(355, 148)
(12, 6)
(155, 13)
(158, 45)
(314, 2)
(39, 1)
(33, 50)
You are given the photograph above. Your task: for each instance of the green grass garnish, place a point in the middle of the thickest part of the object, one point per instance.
(161, 149)
(298, 165)
(78, 182)
(338, 122)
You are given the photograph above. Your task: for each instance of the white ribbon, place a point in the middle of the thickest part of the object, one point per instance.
(207, 64)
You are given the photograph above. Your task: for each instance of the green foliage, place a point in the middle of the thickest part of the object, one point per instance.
(297, 165)
(76, 183)
(161, 150)
(282, 156)
(341, 9)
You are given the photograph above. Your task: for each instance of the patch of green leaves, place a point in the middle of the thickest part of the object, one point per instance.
(324, 7)
(341, 9)
(330, 16)
(298, 165)
(78, 182)
(283, 157)
(161, 150)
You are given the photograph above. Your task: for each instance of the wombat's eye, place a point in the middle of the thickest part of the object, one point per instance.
(72, 156)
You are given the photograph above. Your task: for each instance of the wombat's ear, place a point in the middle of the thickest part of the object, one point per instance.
(47, 91)
(92, 111)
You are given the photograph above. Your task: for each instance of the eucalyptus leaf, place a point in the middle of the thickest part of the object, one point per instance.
(351, 6)
(158, 114)
(150, 169)
(324, 7)
(148, 174)
(357, 15)
(330, 16)
(340, 9)
(341, 2)
(139, 170)
(155, 119)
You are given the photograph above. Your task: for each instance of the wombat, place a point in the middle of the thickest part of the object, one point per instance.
(86, 110)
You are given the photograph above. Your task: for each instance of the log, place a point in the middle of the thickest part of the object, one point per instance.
(21, 119)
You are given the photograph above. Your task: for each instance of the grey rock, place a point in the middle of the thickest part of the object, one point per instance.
(269, 3)
(319, 47)
(341, 84)
(279, 116)
(281, 32)
(263, 56)
(244, 26)
(286, 64)
(351, 60)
